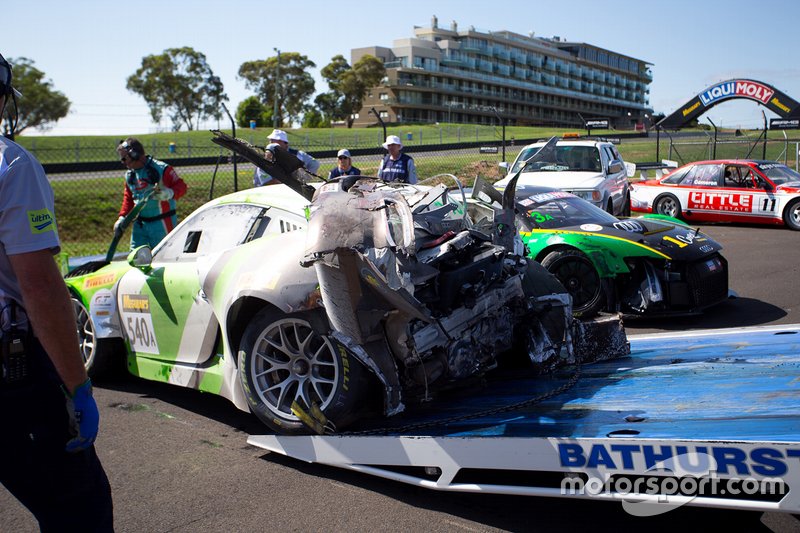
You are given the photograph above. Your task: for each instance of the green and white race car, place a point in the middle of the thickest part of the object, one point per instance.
(224, 268)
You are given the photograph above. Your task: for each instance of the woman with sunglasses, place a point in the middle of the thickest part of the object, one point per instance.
(344, 166)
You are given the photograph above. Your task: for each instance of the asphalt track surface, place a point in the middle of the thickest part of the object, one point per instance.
(178, 459)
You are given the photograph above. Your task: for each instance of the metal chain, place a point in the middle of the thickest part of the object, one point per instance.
(487, 412)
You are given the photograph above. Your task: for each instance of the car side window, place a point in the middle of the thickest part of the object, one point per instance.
(703, 176)
(677, 176)
(749, 178)
(609, 154)
(211, 230)
(280, 222)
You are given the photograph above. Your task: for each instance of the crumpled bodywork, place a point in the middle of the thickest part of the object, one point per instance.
(424, 289)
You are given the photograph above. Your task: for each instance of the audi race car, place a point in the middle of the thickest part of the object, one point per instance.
(751, 191)
(652, 265)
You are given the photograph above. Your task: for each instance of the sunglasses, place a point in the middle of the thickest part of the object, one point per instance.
(343, 157)
(124, 158)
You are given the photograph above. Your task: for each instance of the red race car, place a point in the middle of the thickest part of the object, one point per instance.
(726, 190)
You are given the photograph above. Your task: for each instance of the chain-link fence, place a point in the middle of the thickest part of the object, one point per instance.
(732, 146)
(89, 194)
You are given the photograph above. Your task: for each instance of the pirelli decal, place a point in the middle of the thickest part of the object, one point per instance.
(135, 303)
(99, 281)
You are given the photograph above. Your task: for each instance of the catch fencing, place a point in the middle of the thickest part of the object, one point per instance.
(89, 193)
(732, 146)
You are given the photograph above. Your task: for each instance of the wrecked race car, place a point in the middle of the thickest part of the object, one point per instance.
(421, 288)
(403, 291)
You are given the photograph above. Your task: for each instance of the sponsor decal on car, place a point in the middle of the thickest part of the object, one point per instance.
(138, 323)
(715, 201)
(591, 227)
(632, 226)
(97, 281)
(548, 196)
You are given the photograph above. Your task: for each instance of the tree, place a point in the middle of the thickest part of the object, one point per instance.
(251, 108)
(180, 83)
(295, 84)
(312, 118)
(41, 106)
(349, 85)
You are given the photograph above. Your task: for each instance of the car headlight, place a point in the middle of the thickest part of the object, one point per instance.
(591, 196)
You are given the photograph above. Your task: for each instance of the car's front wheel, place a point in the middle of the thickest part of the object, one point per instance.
(791, 215)
(579, 276)
(667, 205)
(284, 359)
(99, 355)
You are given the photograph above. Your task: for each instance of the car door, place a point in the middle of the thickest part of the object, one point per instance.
(706, 196)
(164, 312)
(744, 199)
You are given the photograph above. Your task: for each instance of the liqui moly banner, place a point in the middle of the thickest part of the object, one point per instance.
(758, 91)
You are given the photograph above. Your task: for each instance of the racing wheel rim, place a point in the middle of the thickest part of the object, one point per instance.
(291, 362)
(86, 336)
(580, 279)
(667, 205)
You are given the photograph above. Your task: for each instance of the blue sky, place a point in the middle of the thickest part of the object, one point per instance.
(88, 48)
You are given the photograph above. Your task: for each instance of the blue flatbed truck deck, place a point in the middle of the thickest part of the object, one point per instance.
(721, 407)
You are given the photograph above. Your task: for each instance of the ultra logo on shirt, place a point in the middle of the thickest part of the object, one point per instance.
(41, 221)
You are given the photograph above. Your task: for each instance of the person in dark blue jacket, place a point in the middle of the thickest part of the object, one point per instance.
(396, 166)
(344, 165)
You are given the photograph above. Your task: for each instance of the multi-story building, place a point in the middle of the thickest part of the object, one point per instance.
(476, 76)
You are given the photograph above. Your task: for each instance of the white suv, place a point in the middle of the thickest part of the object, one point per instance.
(592, 170)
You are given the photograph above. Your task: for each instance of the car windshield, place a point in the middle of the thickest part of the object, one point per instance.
(557, 209)
(779, 173)
(568, 158)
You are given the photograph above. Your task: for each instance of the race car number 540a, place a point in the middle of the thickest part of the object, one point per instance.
(138, 323)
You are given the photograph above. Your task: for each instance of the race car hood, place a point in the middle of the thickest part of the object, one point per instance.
(791, 187)
(566, 180)
(674, 240)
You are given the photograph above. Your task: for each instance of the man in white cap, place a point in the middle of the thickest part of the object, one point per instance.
(344, 165)
(396, 166)
(280, 138)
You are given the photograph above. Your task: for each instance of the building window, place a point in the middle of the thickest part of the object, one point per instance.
(384, 96)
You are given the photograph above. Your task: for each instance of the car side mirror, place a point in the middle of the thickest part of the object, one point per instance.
(614, 167)
(764, 184)
(504, 165)
(141, 258)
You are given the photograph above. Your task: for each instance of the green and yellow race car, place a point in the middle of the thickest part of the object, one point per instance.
(653, 265)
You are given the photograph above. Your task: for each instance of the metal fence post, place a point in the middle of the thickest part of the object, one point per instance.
(77, 150)
(189, 147)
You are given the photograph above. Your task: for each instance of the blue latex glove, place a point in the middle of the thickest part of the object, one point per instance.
(84, 418)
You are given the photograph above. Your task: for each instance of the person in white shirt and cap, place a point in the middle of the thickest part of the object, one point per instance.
(280, 138)
(396, 166)
(344, 165)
